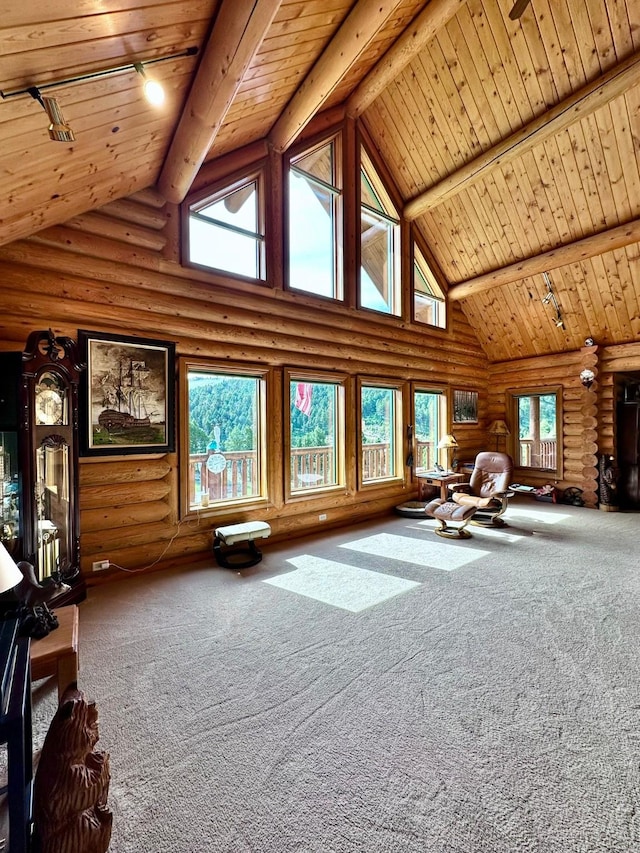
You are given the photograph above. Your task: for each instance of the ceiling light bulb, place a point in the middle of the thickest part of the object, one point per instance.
(154, 92)
(586, 377)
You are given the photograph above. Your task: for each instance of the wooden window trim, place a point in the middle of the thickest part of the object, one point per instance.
(264, 375)
(342, 382)
(520, 473)
(401, 416)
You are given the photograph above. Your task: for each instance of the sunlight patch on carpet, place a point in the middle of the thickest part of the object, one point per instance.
(420, 552)
(338, 584)
(543, 517)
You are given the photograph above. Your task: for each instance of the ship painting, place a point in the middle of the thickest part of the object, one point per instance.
(130, 396)
(125, 398)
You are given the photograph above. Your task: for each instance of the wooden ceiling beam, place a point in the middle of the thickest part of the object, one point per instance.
(237, 34)
(571, 253)
(591, 97)
(352, 39)
(422, 29)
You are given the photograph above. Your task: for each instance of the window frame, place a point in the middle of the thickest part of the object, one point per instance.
(264, 376)
(340, 380)
(216, 191)
(442, 392)
(521, 472)
(373, 174)
(439, 298)
(400, 418)
(338, 191)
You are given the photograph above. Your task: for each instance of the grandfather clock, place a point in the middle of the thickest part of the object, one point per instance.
(48, 437)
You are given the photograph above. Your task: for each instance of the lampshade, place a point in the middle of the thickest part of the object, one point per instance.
(447, 441)
(10, 574)
(499, 428)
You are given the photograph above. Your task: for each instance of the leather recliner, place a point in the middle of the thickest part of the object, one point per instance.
(487, 489)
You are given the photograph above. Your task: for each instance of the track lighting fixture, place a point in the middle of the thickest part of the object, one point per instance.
(550, 297)
(59, 130)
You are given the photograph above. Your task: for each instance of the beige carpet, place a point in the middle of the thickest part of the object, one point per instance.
(377, 689)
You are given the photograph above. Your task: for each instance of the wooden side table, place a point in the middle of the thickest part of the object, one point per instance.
(430, 480)
(57, 653)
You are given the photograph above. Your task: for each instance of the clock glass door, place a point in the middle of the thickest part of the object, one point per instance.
(53, 507)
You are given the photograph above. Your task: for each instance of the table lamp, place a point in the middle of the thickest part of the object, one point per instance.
(499, 428)
(448, 442)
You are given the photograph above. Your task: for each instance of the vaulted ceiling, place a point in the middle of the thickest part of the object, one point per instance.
(515, 144)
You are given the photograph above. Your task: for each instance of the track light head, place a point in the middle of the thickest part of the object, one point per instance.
(153, 91)
(59, 130)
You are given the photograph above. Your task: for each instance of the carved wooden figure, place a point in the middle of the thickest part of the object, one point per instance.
(72, 782)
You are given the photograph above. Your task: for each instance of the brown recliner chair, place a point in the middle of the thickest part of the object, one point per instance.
(487, 489)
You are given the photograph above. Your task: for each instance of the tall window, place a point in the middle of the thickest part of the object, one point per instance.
(429, 413)
(537, 416)
(316, 433)
(381, 431)
(224, 442)
(315, 221)
(428, 299)
(379, 243)
(227, 232)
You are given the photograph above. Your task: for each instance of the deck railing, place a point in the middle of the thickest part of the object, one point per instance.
(311, 467)
(239, 477)
(538, 454)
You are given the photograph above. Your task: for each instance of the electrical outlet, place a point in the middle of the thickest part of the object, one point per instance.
(100, 565)
(322, 516)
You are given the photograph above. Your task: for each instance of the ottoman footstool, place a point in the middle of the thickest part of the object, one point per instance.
(448, 512)
(242, 556)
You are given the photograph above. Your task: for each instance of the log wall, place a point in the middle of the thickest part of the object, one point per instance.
(116, 270)
(589, 428)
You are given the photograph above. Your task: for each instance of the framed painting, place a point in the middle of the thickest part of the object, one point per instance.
(465, 407)
(128, 395)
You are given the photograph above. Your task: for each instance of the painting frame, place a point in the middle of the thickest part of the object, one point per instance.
(465, 406)
(128, 393)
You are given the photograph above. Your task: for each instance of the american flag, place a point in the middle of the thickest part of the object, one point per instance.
(303, 397)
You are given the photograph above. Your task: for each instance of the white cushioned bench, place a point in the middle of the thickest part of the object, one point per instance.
(243, 556)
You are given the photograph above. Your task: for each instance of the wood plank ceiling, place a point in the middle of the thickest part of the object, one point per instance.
(515, 144)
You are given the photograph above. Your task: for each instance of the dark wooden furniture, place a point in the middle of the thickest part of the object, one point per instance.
(40, 512)
(628, 444)
(57, 653)
(15, 731)
(429, 482)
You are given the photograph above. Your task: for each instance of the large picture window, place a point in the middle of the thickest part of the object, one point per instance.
(380, 433)
(316, 433)
(537, 415)
(223, 433)
(226, 230)
(429, 424)
(379, 243)
(315, 221)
